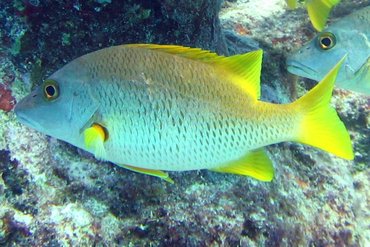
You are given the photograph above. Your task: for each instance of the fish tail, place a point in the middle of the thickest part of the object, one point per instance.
(320, 125)
(319, 11)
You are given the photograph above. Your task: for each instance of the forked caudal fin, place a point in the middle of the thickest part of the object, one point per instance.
(320, 125)
(319, 11)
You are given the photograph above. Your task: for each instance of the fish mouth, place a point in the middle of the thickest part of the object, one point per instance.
(22, 118)
(300, 69)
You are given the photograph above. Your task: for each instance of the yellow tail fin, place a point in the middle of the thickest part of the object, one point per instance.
(320, 125)
(319, 11)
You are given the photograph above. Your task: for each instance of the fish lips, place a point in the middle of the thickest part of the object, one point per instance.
(300, 69)
(22, 111)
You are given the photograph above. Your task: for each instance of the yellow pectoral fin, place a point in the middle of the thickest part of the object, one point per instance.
(319, 11)
(255, 164)
(155, 173)
(244, 70)
(94, 138)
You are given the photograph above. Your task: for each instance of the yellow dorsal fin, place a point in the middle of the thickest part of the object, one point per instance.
(243, 69)
(292, 4)
(155, 173)
(94, 138)
(319, 11)
(246, 71)
(255, 164)
(183, 51)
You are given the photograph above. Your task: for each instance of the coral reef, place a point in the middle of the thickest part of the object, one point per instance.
(7, 101)
(53, 194)
(56, 31)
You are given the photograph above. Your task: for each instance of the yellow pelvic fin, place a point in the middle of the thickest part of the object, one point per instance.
(155, 173)
(255, 164)
(94, 138)
(320, 125)
(292, 4)
(319, 11)
(243, 69)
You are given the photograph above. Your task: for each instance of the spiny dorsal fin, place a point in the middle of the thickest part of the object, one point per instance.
(155, 173)
(255, 164)
(319, 11)
(243, 69)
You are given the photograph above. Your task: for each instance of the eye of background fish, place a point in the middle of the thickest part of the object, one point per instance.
(327, 41)
(51, 90)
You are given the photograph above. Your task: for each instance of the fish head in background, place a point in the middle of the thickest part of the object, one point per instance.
(349, 36)
(60, 106)
(317, 56)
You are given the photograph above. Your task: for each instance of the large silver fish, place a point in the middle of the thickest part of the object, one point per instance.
(151, 107)
(350, 35)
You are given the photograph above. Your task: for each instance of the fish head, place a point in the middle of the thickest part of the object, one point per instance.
(318, 56)
(60, 106)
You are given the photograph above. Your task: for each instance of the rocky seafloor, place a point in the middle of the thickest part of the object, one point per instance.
(52, 194)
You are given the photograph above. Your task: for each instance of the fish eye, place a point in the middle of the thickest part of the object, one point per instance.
(326, 40)
(51, 90)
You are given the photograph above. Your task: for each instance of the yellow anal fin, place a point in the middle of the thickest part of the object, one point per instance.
(155, 173)
(319, 11)
(255, 164)
(94, 138)
(244, 70)
(292, 4)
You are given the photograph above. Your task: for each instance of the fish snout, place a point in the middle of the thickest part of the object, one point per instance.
(25, 103)
(25, 107)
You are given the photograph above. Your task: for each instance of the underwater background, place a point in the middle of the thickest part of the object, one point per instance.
(53, 194)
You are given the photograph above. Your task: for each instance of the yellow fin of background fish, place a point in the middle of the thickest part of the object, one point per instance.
(94, 138)
(319, 11)
(363, 75)
(233, 66)
(155, 173)
(292, 4)
(320, 124)
(255, 164)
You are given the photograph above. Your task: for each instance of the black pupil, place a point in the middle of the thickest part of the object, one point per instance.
(326, 42)
(50, 90)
